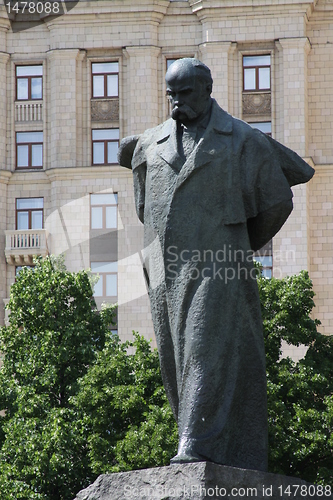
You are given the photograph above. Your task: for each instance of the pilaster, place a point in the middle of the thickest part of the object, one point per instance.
(141, 86)
(4, 178)
(219, 55)
(293, 85)
(290, 246)
(62, 98)
(4, 58)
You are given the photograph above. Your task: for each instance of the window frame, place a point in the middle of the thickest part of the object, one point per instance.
(29, 144)
(105, 96)
(29, 210)
(104, 207)
(105, 141)
(263, 122)
(29, 77)
(265, 252)
(103, 275)
(257, 68)
(21, 267)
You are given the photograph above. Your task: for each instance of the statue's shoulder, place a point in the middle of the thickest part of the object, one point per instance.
(225, 123)
(141, 142)
(153, 135)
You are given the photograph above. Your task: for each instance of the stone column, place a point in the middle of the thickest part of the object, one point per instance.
(4, 58)
(293, 83)
(218, 56)
(140, 110)
(4, 179)
(290, 246)
(140, 89)
(61, 140)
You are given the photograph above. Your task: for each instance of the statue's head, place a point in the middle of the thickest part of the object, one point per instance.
(189, 86)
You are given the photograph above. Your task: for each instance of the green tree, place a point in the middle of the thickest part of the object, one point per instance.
(53, 338)
(80, 403)
(123, 409)
(300, 394)
(77, 401)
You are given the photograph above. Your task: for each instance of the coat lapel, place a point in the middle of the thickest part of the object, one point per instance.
(216, 139)
(214, 144)
(167, 145)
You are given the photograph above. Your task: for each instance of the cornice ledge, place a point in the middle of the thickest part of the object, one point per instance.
(63, 173)
(4, 21)
(310, 161)
(132, 50)
(298, 42)
(26, 177)
(5, 176)
(201, 5)
(157, 7)
(323, 169)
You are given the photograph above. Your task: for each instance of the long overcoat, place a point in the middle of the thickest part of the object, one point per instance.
(202, 287)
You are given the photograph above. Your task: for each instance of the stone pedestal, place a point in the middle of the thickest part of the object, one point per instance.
(200, 481)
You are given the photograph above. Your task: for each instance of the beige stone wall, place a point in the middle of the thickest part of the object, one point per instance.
(321, 245)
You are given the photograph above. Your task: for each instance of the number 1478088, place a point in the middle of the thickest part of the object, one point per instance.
(29, 8)
(307, 491)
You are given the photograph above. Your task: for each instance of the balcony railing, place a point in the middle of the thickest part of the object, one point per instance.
(28, 111)
(22, 245)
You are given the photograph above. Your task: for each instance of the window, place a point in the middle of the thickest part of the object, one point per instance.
(103, 211)
(107, 283)
(265, 127)
(29, 213)
(257, 73)
(29, 82)
(29, 149)
(170, 61)
(105, 79)
(265, 257)
(19, 268)
(105, 144)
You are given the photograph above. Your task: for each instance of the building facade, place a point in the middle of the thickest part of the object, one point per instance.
(72, 86)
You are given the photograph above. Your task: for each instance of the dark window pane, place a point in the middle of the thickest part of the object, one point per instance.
(249, 79)
(112, 152)
(22, 156)
(23, 220)
(36, 88)
(37, 219)
(22, 88)
(98, 153)
(37, 155)
(112, 85)
(98, 86)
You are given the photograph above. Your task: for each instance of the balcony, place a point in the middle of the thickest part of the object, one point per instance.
(22, 245)
(29, 111)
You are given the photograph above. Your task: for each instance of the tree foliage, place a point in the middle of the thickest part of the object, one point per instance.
(53, 338)
(300, 394)
(124, 411)
(78, 402)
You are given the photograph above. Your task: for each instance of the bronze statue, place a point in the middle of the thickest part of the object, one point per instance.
(209, 190)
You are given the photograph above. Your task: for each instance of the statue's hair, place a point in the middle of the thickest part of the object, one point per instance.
(202, 70)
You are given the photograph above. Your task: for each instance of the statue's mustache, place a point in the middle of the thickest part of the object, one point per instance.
(183, 109)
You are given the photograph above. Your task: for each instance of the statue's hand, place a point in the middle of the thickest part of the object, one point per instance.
(126, 150)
